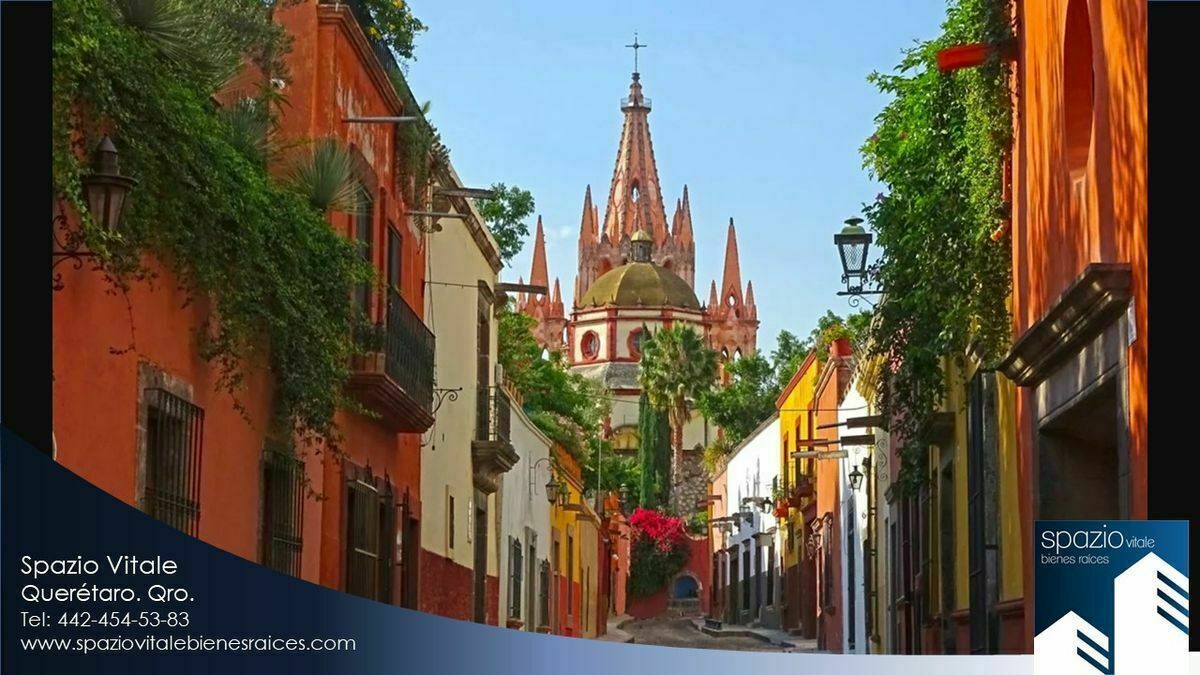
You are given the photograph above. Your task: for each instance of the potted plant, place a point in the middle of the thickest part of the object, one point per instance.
(369, 340)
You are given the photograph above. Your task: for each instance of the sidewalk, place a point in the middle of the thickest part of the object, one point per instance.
(614, 633)
(769, 635)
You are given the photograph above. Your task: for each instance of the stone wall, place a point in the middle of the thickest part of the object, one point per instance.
(690, 486)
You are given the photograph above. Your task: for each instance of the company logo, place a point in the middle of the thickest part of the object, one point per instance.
(1110, 597)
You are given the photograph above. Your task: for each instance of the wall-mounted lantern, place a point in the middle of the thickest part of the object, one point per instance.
(104, 190)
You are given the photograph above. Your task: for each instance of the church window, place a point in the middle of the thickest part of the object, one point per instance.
(635, 342)
(634, 192)
(590, 345)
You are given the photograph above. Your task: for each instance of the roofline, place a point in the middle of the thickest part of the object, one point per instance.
(800, 371)
(751, 436)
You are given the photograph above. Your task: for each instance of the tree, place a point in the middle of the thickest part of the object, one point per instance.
(746, 401)
(790, 352)
(566, 406)
(676, 368)
(505, 216)
(654, 455)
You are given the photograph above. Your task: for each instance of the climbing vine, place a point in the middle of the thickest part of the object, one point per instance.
(939, 148)
(277, 277)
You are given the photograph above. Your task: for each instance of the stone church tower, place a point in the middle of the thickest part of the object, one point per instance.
(636, 274)
(635, 203)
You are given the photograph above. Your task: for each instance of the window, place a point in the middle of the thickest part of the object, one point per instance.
(369, 533)
(827, 563)
(590, 345)
(395, 248)
(363, 216)
(983, 529)
(570, 573)
(544, 593)
(758, 570)
(514, 571)
(449, 521)
(746, 574)
(174, 440)
(282, 510)
(771, 574)
(636, 338)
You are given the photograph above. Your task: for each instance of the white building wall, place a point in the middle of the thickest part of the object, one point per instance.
(525, 516)
(854, 528)
(752, 472)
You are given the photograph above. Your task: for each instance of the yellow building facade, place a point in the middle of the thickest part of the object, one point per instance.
(795, 405)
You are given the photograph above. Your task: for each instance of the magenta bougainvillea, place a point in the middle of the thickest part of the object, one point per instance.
(659, 550)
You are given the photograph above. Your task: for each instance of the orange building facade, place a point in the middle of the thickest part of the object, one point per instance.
(1079, 241)
(831, 388)
(176, 445)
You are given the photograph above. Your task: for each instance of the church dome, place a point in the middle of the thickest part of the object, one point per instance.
(640, 284)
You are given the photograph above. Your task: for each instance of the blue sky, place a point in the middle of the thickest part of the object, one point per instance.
(760, 108)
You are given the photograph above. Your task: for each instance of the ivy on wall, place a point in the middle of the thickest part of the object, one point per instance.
(939, 148)
(279, 278)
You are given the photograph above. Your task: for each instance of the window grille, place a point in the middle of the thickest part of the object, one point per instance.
(174, 441)
(282, 510)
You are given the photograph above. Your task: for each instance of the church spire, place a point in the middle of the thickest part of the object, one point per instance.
(731, 279)
(685, 235)
(540, 275)
(587, 226)
(635, 189)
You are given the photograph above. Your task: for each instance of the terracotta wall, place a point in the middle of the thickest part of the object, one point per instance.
(1056, 234)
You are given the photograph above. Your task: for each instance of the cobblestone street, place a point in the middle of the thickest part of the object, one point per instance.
(679, 632)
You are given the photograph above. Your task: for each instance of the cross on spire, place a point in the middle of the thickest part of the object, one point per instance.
(635, 47)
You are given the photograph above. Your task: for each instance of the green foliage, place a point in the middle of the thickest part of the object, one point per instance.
(278, 277)
(505, 216)
(324, 175)
(654, 455)
(790, 352)
(615, 470)
(755, 382)
(939, 147)
(249, 125)
(420, 152)
(676, 367)
(716, 451)
(697, 523)
(393, 24)
(566, 406)
(746, 401)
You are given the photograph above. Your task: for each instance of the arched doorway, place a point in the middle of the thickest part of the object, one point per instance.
(685, 587)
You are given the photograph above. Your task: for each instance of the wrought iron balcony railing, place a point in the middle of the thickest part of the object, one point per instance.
(493, 415)
(492, 452)
(395, 375)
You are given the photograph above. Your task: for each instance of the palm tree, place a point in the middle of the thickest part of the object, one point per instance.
(676, 367)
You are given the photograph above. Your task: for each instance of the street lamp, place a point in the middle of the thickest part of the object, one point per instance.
(854, 245)
(856, 478)
(564, 494)
(104, 191)
(552, 490)
(624, 492)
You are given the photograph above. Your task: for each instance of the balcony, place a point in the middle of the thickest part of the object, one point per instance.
(394, 377)
(801, 491)
(492, 453)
